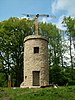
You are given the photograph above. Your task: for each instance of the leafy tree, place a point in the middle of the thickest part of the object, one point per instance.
(50, 31)
(55, 51)
(70, 24)
(12, 34)
(58, 76)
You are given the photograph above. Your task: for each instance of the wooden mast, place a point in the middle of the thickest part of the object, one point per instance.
(36, 25)
(36, 20)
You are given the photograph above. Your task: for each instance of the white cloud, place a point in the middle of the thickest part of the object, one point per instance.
(66, 5)
(62, 7)
(59, 23)
(45, 19)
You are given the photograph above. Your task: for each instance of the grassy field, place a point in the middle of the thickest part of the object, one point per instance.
(60, 93)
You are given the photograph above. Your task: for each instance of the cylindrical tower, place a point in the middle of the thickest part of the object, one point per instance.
(36, 70)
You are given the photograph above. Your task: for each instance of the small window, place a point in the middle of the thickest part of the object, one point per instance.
(36, 49)
(25, 77)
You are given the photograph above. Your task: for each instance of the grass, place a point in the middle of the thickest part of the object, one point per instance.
(61, 93)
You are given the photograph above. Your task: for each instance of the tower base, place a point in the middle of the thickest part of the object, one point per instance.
(24, 86)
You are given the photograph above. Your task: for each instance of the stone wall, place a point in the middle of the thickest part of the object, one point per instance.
(36, 61)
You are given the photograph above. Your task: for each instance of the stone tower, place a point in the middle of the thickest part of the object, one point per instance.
(36, 70)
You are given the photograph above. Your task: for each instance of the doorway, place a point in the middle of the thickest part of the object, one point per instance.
(36, 78)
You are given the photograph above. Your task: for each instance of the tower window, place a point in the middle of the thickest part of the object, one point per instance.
(36, 49)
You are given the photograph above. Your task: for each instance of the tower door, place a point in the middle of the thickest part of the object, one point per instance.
(36, 78)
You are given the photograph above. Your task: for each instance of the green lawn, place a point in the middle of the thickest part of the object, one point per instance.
(61, 93)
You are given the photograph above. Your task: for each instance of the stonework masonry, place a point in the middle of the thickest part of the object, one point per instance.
(36, 70)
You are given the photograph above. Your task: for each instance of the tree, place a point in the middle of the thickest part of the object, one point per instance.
(55, 53)
(54, 46)
(70, 24)
(12, 34)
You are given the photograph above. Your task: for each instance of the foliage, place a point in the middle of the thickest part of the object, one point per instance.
(70, 24)
(65, 93)
(50, 31)
(57, 76)
(12, 34)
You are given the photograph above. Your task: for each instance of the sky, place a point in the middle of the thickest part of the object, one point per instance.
(58, 8)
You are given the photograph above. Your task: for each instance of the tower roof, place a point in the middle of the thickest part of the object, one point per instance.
(35, 37)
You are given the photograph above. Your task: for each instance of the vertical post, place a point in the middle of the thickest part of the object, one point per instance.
(36, 25)
(9, 81)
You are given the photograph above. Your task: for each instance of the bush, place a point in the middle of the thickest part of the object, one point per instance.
(71, 82)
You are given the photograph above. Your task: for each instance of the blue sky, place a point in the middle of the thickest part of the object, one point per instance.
(10, 8)
(58, 8)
